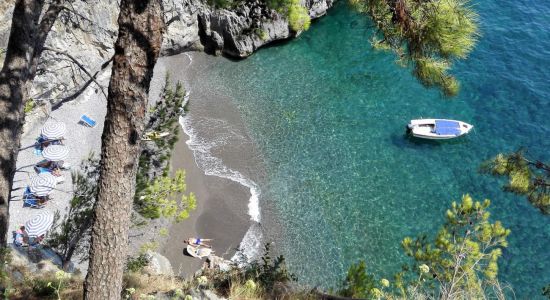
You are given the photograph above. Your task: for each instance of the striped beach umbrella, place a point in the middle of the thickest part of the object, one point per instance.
(42, 184)
(55, 152)
(39, 224)
(53, 130)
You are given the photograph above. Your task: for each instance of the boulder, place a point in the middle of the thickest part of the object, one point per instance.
(158, 265)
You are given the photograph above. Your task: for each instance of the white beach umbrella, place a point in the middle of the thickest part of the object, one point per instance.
(54, 130)
(55, 152)
(39, 224)
(42, 184)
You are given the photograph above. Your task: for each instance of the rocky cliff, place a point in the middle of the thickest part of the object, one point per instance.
(82, 39)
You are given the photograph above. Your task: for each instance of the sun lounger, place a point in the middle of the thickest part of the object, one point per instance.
(29, 200)
(84, 119)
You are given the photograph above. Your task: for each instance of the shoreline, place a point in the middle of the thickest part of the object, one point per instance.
(227, 200)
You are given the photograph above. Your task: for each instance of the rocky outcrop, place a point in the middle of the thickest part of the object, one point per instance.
(241, 31)
(158, 264)
(82, 39)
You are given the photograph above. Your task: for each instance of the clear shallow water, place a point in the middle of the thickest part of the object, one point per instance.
(328, 114)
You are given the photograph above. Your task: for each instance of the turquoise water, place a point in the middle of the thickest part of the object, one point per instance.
(328, 114)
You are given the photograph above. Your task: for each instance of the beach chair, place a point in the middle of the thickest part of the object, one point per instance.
(84, 119)
(29, 200)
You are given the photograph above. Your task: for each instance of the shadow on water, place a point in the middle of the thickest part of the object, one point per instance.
(406, 140)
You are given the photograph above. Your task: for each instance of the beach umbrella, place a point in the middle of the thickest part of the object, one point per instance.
(53, 130)
(39, 224)
(55, 152)
(42, 184)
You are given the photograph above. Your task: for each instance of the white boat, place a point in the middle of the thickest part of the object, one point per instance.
(198, 252)
(438, 129)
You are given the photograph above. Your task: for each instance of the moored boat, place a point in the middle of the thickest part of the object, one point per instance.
(438, 129)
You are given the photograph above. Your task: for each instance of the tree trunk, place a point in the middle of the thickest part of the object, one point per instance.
(136, 51)
(25, 46)
(14, 78)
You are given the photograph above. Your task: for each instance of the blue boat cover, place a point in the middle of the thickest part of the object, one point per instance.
(445, 127)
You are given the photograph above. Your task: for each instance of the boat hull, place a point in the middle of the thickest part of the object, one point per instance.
(438, 129)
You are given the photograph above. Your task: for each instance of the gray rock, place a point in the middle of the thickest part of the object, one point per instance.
(158, 264)
(199, 294)
(248, 27)
(88, 31)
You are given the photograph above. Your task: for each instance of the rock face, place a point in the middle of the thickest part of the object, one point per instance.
(241, 31)
(87, 32)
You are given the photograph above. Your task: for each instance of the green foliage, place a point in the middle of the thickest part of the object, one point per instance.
(43, 288)
(264, 273)
(546, 291)
(158, 199)
(358, 284)
(262, 34)
(163, 118)
(269, 271)
(156, 193)
(432, 72)
(30, 104)
(136, 264)
(525, 177)
(148, 246)
(164, 232)
(71, 235)
(50, 287)
(5, 260)
(430, 34)
(463, 258)
(298, 16)
(460, 263)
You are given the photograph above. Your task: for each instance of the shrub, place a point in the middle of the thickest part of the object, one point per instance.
(158, 199)
(298, 16)
(136, 264)
(30, 104)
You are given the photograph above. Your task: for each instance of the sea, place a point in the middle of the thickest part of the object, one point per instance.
(326, 114)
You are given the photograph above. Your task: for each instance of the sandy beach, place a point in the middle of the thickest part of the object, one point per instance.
(217, 155)
(81, 141)
(220, 213)
(224, 207)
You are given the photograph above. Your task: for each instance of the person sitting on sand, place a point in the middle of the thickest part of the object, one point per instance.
(21, 238)
(198, 242)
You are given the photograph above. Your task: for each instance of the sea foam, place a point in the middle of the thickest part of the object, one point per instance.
(214, 166)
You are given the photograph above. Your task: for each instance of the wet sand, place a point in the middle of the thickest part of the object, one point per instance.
(221, 213)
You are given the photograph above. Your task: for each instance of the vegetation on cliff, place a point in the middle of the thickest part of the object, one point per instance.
(430, 35)
(298, 15)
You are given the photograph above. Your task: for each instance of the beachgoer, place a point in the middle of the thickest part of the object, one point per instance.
(198, 242)
(21, 238)
(50, 166)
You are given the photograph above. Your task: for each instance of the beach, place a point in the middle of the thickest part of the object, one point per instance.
(81, 140)
(221, 166)
(224, 212)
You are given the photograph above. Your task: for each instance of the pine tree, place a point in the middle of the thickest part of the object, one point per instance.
(461, 262)
(137, 48)
(429, 34)
(530, 178)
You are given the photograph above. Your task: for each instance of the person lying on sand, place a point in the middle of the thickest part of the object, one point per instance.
(198, 242)
(49, 166)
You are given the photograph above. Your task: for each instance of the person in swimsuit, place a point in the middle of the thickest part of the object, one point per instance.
(198, 242)
(21, 237)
